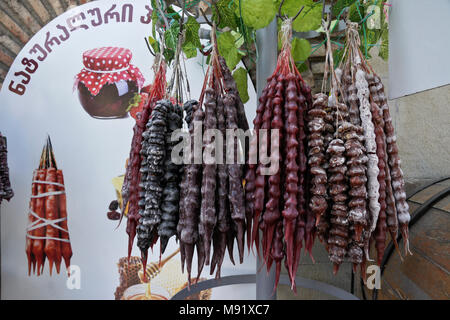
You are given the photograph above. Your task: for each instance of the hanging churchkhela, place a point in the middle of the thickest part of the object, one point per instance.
(159, 181)
(365, 194)
(6, 192)
(278, 199)
(47, 232)
(212, 203)
(132, 189)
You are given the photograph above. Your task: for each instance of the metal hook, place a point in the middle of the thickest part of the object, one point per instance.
(300, 11)
(284, 17)
(279, 9)
(323, 9)
(206, 18)
(149, 47)
(366, 17)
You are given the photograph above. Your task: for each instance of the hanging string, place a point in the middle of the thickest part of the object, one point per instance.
(338, 18)
(329, 65)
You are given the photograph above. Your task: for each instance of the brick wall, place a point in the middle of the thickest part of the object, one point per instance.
(20, 20)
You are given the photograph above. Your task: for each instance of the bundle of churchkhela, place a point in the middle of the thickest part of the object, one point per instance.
(362, 194)
(47, 234)
(131, 189)
(159, 177)
(212, 203)
(6, 192)
(277, 194)
(159, 180)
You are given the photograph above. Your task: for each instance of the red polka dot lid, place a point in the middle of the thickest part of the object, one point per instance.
(107, 65)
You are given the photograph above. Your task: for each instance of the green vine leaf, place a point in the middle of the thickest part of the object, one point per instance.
(173, 14)
(239, 39)
(309, 19)
(192, 39)
(373, 36)
(384, 47)
(301, 49)
(171, 35)
(353, 13)
(154, 18)
(301, 67)
(257, 14)
(226, 43)
(171, 40)
(226, 10)
(341, 4)
(240, 76)
(192, 27)
(189, 50)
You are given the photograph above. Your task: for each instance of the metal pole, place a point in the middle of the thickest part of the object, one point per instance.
(267, 45)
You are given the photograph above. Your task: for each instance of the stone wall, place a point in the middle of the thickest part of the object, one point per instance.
(422, 125)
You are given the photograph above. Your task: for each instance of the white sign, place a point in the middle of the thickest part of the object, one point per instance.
(419, 46)
(37, 99)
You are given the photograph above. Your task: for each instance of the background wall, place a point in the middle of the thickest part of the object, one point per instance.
(422, 124)
(419, 54)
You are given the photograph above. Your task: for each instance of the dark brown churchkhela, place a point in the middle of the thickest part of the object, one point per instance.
(272, 211)
(356, 173)
(208, 187)
(230, 88)
(292, 185)
(223, 219)
(154, 152)
(6, 192)
(188, 107)
(263, 121)
(338, 234)
(277, 250)
(353, 104)
(171, 192)
(235, 176)
(380, 231)
(212, 202)
(132, 189)
(397, 181)
(305, 220)
(190, 186)
(327, 135)
(391, 210)
(316, 156)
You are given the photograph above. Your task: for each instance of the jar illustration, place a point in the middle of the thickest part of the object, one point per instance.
(107, 82)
